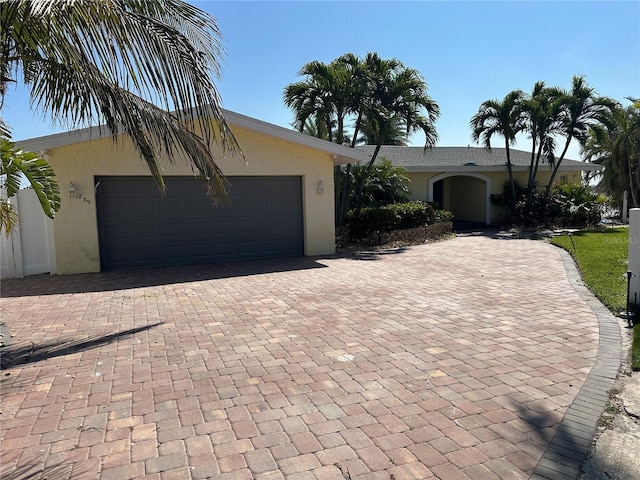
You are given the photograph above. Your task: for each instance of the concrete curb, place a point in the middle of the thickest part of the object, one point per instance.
(568, 450)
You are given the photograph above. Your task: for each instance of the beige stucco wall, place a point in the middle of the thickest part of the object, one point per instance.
(475, 189)
(75, 226)
(457, 183)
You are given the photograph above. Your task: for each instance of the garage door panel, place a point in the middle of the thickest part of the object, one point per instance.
(174, 210)
(139, 227)
(139, 231)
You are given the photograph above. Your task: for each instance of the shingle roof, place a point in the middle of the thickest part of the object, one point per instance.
(461, 158)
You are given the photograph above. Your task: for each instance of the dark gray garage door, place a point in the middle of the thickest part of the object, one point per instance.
(139, 228)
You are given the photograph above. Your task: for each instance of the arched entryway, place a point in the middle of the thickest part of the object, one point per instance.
(467, 195)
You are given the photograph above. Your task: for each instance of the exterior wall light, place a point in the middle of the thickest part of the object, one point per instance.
(320, 187)
(72, 191)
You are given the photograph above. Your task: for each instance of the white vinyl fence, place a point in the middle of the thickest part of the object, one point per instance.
(29, 250)
(634, 256)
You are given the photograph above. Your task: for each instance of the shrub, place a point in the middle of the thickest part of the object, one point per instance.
(576, 204)
(386, 184)
(566, 205)
(398, 216)
(409, 236)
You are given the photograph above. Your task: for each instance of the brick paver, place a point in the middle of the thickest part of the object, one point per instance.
(456, 359)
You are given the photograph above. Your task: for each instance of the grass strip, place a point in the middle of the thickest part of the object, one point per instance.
(601, 256)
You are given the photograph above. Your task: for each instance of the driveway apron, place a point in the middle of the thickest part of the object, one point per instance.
(450, 360)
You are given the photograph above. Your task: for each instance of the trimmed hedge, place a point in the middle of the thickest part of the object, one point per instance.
(398, 216)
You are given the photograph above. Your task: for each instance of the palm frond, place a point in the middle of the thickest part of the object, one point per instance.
(8, 217)
(15, 163)
(142, 68)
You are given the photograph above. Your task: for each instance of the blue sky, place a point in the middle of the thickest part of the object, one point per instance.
(467, 52)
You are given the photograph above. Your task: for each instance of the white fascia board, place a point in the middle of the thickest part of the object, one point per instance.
(341, 154)
(47, 142)
(495, 168)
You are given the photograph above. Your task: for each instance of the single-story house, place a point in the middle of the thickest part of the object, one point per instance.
(113, 215)
(462, 179)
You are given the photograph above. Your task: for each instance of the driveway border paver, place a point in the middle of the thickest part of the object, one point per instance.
(566, 453)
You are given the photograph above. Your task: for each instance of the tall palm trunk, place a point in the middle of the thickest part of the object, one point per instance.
(532, 162)
(512, 184)
(343, 201)
(556, 167)
(363, 179)
(535, 169)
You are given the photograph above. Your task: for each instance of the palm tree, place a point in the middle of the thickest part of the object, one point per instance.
(357, 88)
(394, 135)
(16, 163)
(382, 96)
(500, 117)
(322, 97)
(145, 69)
(357, 85)
(616, 146)
(397, 98)
(581, 111)
(541, 111)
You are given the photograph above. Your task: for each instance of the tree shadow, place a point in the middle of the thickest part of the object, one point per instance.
(38, 471)
(587, 231)
(368, 255)
(148, 277)
(17, 355)
(567, 442)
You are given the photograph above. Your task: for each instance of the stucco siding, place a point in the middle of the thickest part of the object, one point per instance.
(75, 226)
(463, 193)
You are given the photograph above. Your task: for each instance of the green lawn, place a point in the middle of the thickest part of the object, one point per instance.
(601, 256)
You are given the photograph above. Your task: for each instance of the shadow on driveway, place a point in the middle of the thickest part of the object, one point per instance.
(148, 277)
(38, 470)
(369, 255)
(22, 355)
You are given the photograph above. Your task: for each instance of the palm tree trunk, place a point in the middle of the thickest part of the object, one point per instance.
(556, 167)
(535, 173)
(510, 170)
(365, 175)
(356, 130)
(344, 193)
(536, 165)
(533, 156)
(340, 133)
(344, 198)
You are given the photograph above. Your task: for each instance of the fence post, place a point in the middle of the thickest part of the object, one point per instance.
(634, 255)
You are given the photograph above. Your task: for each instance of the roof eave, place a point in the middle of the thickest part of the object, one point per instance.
(494, 168)
(341, 154)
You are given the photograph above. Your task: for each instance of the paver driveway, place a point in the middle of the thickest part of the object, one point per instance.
(451, 360)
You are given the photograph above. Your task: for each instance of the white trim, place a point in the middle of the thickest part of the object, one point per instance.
(341, 153)
(487, 182)
(463, 169)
